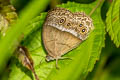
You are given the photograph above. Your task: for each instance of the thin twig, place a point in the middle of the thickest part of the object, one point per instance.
(92, 11)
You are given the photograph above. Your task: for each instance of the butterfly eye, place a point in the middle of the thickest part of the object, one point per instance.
(62, 20)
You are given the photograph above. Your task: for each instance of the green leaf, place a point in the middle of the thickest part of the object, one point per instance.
(113, 22)
(83, 57)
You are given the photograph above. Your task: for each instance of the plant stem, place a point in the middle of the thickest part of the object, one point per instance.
(93, 10)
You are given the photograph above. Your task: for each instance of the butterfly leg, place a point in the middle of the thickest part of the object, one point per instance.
(62, 58)
(57, 64)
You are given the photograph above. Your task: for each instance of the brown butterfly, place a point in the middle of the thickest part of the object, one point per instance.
(64, 31)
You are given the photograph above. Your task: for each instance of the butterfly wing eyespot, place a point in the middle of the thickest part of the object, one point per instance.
(80, 25)
(68, 24)
(83, 31)
(62, 20)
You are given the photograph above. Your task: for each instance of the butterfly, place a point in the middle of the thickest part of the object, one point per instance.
(63, 31)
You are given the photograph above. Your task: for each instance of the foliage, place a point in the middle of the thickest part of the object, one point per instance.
(113, 22)
(86, 63)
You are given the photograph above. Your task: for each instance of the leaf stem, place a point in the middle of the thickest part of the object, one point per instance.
(93, 10)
